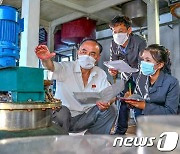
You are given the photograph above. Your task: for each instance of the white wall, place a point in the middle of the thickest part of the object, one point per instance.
(170, 38)
(105, 56)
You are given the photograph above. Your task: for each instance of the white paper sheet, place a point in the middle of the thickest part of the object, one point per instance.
(105, 95)
(120, 65)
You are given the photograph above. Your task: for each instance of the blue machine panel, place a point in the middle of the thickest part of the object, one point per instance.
(10, 28)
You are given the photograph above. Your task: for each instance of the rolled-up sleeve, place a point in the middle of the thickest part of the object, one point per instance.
(171, 102)
(59, 72)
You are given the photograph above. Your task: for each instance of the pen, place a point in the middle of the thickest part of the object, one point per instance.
(130, 93)
(114, 79)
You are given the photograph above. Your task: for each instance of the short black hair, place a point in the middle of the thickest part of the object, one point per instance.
(93, 40)
(121, 19)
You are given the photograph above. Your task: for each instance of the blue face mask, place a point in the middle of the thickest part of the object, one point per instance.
(147, 68)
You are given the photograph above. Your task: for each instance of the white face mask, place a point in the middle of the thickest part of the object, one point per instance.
(120, 38)
(86, 62)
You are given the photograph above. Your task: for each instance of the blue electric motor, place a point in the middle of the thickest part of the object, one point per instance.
(10, 27)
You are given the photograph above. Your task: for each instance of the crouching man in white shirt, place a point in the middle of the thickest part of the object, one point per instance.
(80, 76)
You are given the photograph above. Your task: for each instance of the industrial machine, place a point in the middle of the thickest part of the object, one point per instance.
(26, 105)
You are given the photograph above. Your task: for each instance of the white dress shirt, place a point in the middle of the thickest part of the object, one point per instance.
(68, 78)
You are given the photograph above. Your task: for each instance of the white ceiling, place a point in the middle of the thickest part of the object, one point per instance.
(57, 12)
(61, 11)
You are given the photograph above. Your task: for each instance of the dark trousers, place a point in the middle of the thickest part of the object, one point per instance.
(122, 121)
(123, 110)
(94, 121)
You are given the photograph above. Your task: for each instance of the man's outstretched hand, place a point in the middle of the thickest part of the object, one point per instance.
(43, 52)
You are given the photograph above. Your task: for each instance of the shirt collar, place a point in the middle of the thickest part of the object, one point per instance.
(93, 72)
(130, 42)
(158, 83)
(160, 79)
(123, 49)
(77, 67)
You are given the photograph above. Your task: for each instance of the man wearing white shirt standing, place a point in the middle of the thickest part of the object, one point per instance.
(80, 76)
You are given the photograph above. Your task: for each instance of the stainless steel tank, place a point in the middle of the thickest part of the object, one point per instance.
(88, 144)
(155, 126)
(26, 116)
(137, 11)
(29, 119)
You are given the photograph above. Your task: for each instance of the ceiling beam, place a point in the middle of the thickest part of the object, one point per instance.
(117, 8)
(70, 5)
(95, 17)
(84, 11)
(103, 5)
(44, 23)
(92, 9)
(67, 18)
(79, 8)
